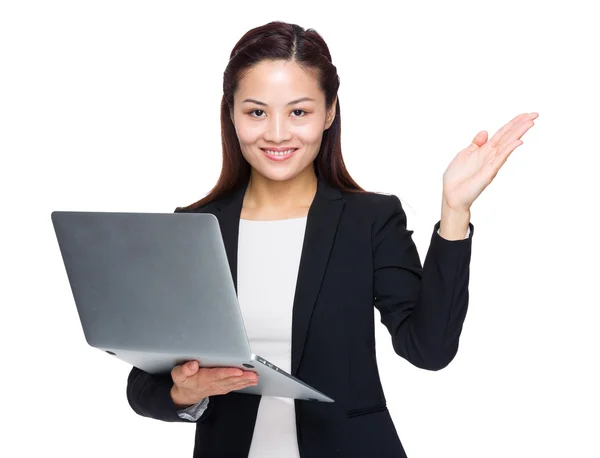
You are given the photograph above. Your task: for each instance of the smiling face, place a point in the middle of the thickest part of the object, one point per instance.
(279, 106)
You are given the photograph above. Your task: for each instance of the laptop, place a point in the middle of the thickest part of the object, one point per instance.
(155, 290)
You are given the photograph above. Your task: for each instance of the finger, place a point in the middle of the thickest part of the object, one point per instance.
(498, 135)
(191, 367)
(235, 383)
(247, 375)
(515, 133)
(239, 384)
(506, 127)
(183, 371)
(526, 119)
(248, 379)
(222, 373)
(506, 151)
(494, 163)
(244, 381)
(486, 154)
(478, 141)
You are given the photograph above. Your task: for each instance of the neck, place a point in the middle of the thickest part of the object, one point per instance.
(265, 194)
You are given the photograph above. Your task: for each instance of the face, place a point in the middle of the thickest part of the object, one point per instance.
(278, 105)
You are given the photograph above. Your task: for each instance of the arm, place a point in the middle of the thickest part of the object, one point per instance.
(423, 307)
(149, 395)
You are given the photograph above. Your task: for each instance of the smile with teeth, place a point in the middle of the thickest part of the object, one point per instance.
(279, 153)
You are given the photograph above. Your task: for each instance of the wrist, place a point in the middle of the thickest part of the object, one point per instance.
(454, 223)
(180, 401)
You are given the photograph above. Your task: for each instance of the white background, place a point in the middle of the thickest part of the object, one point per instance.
(114, 106)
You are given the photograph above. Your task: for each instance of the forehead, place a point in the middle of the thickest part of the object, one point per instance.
(274, 80)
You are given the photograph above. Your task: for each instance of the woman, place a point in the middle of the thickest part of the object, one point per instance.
(314, 253)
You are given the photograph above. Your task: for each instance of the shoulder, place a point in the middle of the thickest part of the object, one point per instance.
(382, 212)
(206, 208)
(374, 204)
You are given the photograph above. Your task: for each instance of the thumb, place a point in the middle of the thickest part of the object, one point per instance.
(183, 371)
(479, 140)
(190, 368)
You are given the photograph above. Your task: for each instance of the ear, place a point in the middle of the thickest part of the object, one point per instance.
(331, 114)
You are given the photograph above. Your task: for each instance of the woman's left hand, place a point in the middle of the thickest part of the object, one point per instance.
(474, 168)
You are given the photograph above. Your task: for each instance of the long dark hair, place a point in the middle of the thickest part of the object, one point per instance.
(280, 41)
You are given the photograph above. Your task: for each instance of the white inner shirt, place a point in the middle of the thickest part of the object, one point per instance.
(268, 261)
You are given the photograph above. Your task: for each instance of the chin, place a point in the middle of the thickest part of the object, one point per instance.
(274, 176)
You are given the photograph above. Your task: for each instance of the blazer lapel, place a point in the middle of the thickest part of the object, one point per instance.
(321, 226)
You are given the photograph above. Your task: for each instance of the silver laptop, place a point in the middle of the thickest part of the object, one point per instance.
(155, 290)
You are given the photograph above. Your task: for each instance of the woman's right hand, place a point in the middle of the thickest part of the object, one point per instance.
(192, 383)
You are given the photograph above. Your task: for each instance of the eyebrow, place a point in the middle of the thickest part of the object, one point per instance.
(293, 102)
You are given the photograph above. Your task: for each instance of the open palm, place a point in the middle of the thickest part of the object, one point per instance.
(474, 168)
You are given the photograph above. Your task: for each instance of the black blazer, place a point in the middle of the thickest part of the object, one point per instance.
(357, 253)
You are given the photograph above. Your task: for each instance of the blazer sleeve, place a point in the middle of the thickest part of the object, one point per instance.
(149, 395)
(422, 306)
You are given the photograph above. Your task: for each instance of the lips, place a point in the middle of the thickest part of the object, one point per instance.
(279, 150)
(279, 157)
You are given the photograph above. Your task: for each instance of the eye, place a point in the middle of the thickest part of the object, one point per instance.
(254, 111)
(251, 113)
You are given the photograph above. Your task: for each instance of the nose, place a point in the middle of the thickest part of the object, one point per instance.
(277, 129)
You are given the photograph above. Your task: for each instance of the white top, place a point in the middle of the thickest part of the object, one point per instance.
(268, 261)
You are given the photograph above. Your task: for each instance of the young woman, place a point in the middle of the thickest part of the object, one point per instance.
(311, 254)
